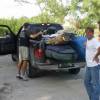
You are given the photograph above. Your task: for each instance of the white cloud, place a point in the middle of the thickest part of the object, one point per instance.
(10, 8)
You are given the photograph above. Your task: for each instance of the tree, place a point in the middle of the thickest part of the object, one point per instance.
(88, 7)
(51, 9)
(54, 8)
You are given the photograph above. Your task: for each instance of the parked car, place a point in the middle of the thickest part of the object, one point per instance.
(69, 56)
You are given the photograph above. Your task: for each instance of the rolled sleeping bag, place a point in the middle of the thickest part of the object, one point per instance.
(78, 43)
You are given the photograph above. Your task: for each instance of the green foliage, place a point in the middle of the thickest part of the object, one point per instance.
(14, 24)
(54, 10)
(90, 7)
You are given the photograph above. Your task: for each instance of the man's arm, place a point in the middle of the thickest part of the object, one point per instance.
(96, 55)
(33, 36)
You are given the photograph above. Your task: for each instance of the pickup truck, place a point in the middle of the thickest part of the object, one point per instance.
(73, 52)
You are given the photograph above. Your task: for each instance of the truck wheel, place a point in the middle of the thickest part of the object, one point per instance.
(14, 57)
(33, 72)
(74, 71)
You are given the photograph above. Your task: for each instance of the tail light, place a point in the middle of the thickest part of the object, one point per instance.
(39, 53)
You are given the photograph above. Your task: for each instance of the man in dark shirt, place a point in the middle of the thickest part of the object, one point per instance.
(24, 37)
(23, 52)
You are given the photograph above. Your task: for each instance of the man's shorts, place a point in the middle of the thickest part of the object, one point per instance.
(23, 53)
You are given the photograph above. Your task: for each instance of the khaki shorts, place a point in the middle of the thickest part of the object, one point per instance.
(23, 53)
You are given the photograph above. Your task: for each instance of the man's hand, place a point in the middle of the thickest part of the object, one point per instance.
(96, 59)
(40, 33)
(96, 56)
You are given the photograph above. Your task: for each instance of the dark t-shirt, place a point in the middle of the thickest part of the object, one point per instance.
(24, 38)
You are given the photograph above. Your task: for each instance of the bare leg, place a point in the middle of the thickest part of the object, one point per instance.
(24, 66)
(23, 70)
(19, 65)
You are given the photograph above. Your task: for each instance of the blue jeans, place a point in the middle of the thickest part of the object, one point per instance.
(91, 82)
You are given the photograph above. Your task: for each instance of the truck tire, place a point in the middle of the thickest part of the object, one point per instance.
(33, 72)
(74, 71)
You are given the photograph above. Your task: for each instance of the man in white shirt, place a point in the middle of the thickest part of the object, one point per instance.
(93, 65)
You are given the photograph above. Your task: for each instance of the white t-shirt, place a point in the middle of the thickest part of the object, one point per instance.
(91, 49)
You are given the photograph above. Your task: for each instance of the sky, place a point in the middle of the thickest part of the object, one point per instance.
(10, 8)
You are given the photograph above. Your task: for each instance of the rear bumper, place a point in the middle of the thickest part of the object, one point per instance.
(74, 65)
(61, 66)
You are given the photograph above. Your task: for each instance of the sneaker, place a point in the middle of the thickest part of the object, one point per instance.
(18, 76)
(24, 78)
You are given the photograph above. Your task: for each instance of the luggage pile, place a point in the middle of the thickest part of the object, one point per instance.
(63, 46)
(57, 46)
(60, 37)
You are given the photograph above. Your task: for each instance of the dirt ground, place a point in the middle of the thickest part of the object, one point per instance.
(51, 86)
